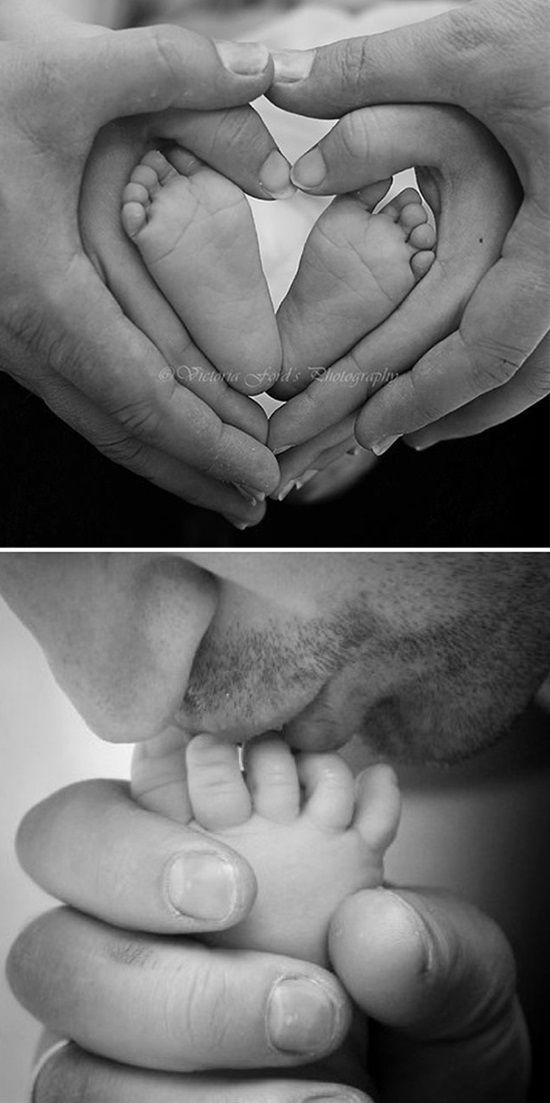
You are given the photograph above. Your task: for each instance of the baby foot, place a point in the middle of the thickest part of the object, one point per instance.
(195, 232)
(356, 269)
(309, 833)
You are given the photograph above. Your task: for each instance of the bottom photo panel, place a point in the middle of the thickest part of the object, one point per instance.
(274, 827)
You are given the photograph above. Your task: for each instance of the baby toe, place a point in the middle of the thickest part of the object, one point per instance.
(217, 791)
(134, 218)
(378, 806)
(396, 205)
(135, 193)
(421, 263)
(329, 789)
(272, 779)
(422, 237)
(147, 177)
(412, 215)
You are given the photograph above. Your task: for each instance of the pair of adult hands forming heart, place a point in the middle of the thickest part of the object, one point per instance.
(106, 374)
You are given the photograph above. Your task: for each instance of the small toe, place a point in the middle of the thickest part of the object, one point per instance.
(413, 214)
(378, 806)
(329, 789)
(135, 193)
(272, 779)
(145, 176)
(422, 236)
(396, 205)
(421, 263)
(134, 218)
(217, 791)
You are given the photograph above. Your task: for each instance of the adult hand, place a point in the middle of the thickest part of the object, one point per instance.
(488, 57)
(433, 970)
(62, 332)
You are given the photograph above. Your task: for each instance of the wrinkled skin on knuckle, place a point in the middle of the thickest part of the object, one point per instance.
(492, 364)
(203, 1018)
(163, 37)
(141, 418)
(126, 451)
(355, 135)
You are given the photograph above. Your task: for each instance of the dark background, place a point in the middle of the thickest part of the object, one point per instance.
(489, 490)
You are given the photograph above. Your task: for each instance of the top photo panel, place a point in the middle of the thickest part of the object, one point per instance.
(274, 273)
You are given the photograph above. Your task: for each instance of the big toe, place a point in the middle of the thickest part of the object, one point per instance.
(217, 791)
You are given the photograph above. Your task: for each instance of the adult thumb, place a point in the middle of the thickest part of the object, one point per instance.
(423, 62)
(122, 73)
(438, 976)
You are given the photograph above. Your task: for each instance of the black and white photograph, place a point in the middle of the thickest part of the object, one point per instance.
(274, 551)
(321, 873)
(273, 270)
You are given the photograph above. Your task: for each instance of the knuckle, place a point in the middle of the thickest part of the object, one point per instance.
(353, 61)
(162, 38)
(141, 418)
(493, 364)
(204, 1020)
(125, 451)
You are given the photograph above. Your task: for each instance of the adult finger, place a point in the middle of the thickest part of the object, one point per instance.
(445, 59)
(473, 211)
(109, 360)
(316, 453)
(440, 975)
(504, 322)
(236, 142)
(155, 465)
(199, 1008)
(529, 385)
(91, 846)
(74, 1074)
(152, 69)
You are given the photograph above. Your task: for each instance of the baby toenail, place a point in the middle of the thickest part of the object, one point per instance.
(275, 176)
(310, 170)
(302, 1017)
(202, 885)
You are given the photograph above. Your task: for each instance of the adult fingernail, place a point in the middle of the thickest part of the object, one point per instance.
(275, 176)
(310, 170)
(285, 490)
(249, 494)
(382, 446)
(237, 522)
(246, 59)
(202, 885)
(301, 1017)
(292, 65)
(307, 477)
